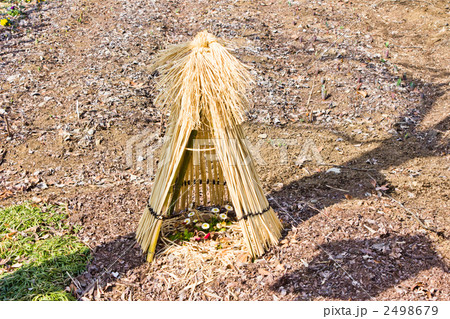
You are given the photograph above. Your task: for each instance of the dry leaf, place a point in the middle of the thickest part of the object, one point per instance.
(384, 187)
(362, 93)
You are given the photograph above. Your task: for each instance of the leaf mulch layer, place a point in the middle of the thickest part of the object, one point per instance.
(349, 131)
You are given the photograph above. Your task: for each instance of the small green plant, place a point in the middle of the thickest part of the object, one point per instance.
(386, 44)
(399, 82)
(14, 11)
(181, 236)
(199, 227)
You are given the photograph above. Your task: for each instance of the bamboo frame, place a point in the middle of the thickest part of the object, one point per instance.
(204, 87)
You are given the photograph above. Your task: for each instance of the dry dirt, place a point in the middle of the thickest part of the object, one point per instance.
(76, 86)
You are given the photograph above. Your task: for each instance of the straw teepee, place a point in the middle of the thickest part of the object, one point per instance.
(204, 87)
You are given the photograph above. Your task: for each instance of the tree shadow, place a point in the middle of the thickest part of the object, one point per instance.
(110, 262)
(358, 180)
(360, 269)
(44, 281)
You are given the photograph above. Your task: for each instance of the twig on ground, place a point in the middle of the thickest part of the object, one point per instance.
(351, 168)
(309, 100)
(2, 155)
(8, 128)
(75, 282)
(338, 189)
(77, 110)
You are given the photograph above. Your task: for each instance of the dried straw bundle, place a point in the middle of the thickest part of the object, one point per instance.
(204, 87)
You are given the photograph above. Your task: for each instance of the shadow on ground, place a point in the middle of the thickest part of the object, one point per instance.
(361, 269)
(110, 262)
(44, 281)
(358, 180)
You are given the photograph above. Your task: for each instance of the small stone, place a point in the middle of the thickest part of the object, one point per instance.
(36, 200)
(42, 185)
(335, 170)
(263, 136)
(12, 78)
(278, 186)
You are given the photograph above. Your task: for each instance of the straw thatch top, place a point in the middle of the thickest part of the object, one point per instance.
(200, 81)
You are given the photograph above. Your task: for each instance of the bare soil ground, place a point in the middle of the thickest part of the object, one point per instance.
(77, 90)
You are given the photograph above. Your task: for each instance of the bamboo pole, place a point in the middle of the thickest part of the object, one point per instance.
(210, 175)
(197, 185)
(183, 167)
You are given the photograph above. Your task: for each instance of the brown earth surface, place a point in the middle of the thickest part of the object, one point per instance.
(76, 86)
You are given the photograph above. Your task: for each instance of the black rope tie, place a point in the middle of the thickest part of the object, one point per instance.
(245, 217)
(153, 213)
(200, 182)
(251, 214)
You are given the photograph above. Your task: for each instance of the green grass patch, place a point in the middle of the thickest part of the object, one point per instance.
(38, 252)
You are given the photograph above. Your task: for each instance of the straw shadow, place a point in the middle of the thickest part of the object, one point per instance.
(361, 269)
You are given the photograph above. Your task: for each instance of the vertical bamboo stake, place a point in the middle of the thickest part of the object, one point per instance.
(204, 178)
(183, 167)
(197, 186)
(152, 248)
(210, 176)
(182, 197)
(187, 186)
(191, 186)
(219, 183)
(214, 175)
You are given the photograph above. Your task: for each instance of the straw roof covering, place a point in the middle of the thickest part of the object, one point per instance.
(205, 157)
